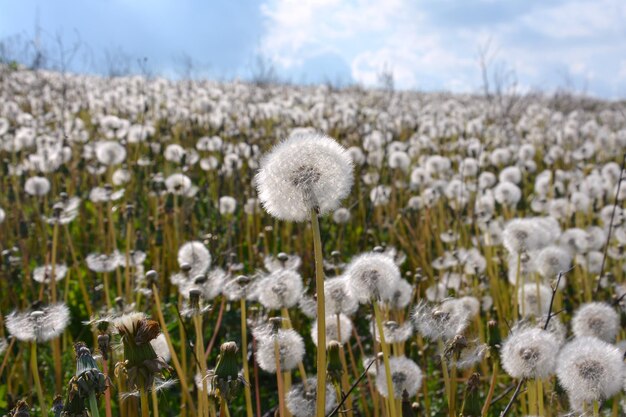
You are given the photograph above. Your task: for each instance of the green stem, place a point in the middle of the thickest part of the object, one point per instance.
(244, 355)
(93, 405)
(35, 371)
(385, 348)
(321, 317)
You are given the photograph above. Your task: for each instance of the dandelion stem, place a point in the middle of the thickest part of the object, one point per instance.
(93, 405)
(35, 371)
(321, 317)
(145, 411)
(385, 348)
(155, 402)
(181, 375)
(279, 381)
(107, 393)
(218, 324)
(244, 357)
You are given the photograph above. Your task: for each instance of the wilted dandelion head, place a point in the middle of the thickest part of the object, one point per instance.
(290, 349)
(196, 255)
(302, 173)
(39, 324)
(300, 400)
(598, 320)
(533, 299)
(405, 376)
(338, 330)
(110, 153)
(529, 353)
(281, 288)
(372, 276)
(590, 369)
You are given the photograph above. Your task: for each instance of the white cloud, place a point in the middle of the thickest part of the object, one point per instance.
(423, 50)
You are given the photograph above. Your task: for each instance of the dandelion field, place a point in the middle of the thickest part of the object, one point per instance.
(180, 248)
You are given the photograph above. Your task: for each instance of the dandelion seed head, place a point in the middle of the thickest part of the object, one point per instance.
(37, 186)
(304, 172)
(372, 276)
(102, 262)
(282, 261)
(335, 331)
(180, 184)
(40, 324)
(43, 274)
(596, 319)
(110, 152)
(522, 235)
(590, 369)
(533, 299)
(552, 260)
(290, 347)
(529, 353)
(227, 205)
(282, 288)
(301, 399)
(341, 215)
(440, 321)
(405, 376)
(393, 331)
(196, 255)
(337, 298)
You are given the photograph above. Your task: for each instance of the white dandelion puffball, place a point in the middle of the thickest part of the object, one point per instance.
(529, 353)
(372, 276)
(523, 235)
(37, 186)
(533, 299)
(227, 205)
(281, 288)
(337, 298)
(301, 399)
(552, 260)
(39, 325)
(336, 330)
(196, 255)
(110, 153)
(43, 274)
(290, 350)
(304, 172)
(596, 319)
(405, 376)
(589, 370)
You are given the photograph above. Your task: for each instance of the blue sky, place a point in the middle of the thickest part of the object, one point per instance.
(427, 44)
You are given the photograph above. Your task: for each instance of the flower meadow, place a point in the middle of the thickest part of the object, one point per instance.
(201, 249)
